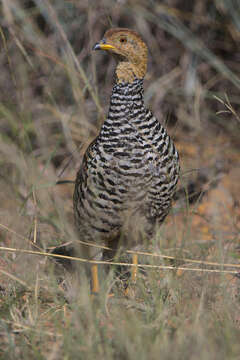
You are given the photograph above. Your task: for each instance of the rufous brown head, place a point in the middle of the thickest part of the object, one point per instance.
(129, 50)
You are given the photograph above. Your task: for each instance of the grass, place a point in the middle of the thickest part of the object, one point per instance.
(53, 99)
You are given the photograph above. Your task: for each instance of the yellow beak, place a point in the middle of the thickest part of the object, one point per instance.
(102, 46)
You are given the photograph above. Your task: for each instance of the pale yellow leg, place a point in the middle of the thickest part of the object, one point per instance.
(134, 272)
(95, 282)
(134, 268)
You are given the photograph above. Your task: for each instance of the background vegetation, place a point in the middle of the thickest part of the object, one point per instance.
(54, 94)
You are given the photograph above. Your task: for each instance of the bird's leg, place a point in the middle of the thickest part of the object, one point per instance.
(95, 282)
(134, 268)
(134, 272)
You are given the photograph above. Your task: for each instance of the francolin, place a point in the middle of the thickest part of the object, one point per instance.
(128, 176)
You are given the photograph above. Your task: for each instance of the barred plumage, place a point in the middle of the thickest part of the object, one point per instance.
(130, 171)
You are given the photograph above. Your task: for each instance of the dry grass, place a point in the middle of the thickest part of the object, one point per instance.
(54, 94)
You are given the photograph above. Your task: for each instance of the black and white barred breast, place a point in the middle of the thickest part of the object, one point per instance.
(129, 172)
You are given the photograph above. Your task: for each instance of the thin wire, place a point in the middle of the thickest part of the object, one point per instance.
(200, 262)
(99, 262)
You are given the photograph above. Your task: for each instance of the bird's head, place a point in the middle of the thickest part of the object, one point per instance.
(129, 50)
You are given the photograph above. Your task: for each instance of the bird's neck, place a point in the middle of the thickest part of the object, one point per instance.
(126, 105)
(127, 72)
(126, 100)
(126, 112)
(125, 92)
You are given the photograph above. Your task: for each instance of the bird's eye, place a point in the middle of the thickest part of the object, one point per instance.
(123, 40)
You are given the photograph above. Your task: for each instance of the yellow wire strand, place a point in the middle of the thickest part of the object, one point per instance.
(100, 262)
(200, 262)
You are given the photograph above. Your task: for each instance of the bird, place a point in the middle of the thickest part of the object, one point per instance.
(129, 173)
